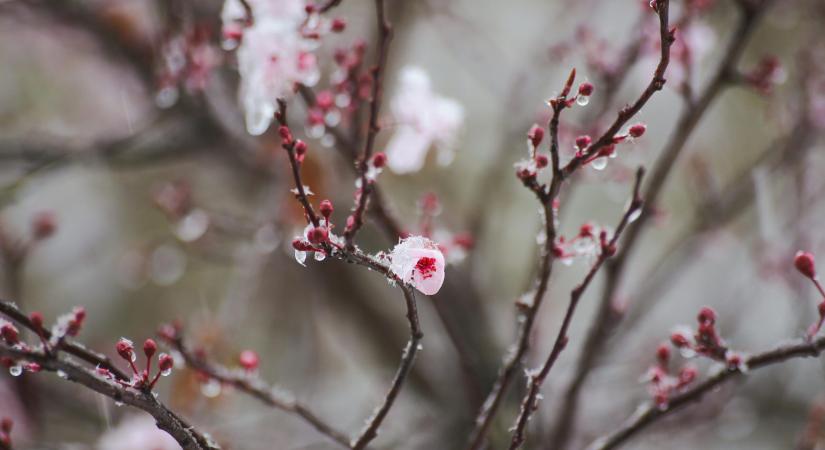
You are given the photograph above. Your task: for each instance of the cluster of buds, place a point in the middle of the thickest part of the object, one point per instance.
(805, 264)
(590, 242)
(6, 425)
(767, 74)
(705, 342)
(316, 239)
(599, 160)
(527, 169)
(68, 324)
(349, 86)
(663, 383)
(141, 379)
(187, 59)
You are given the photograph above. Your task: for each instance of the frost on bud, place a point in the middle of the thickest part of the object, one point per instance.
(125, 349)
(9, 333)
(318, 235)
(637, 130)
(706, 316)
(149, 348)
(536, 134)
(326, 209)
(541, 161)
(44, 225)
(249, 360)
(417, 260)
(586, 89)
(804, 263)
(338, 25)
(165, 363)
(379, 160)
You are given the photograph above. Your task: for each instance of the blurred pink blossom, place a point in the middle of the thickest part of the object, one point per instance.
(424, 119)
(274, 54)
(137, 432)
(418, 260)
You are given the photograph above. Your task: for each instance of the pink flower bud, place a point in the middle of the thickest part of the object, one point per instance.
(300, 149)
(125, 349)
(679, 340)
(804, 262)
(326, 208)
(37, 320)
(149, 348)
(248, 360)
(687, 375)
(285, 134)
(586, 89)
(379, 160)
(663, 353)
(338, 25)
(10, 333)
(536, 134)
(318, 235)
(541, 161)
(301, 245)
(637, 130)
(706, 316)
(582, 142)
(165, 362)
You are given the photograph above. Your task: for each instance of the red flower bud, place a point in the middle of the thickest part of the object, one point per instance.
(285, 134)
(586, 89)
(165, 362)
(582, 142)
(379, 160)
(149, 348)
(300, 149)
(338, 25)
(248, 360)
(125, 349)
(44, 225)
(706, 316)
(37, 320)
(637, 130)
(679, 340)
(663, 353)
(318, 235)
(10, 333)
(541, 161)
(6, 425)
(804, 262)
(536, 134)
(326, 208)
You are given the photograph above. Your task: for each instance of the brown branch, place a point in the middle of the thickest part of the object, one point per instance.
(167, 420)
(607, 318)
(656, 84)
(530, 401)
(650, 413)
(384, 37)
(257, 388)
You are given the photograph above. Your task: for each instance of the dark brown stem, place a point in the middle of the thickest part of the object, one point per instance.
(255, 387)
(650, 413)
(384, 37)
(530, 401)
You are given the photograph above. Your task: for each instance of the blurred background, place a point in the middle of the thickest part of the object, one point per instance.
(142, 197)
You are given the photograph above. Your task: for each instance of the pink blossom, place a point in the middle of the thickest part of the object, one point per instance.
(418, 260)
(273, 56)
(424, 119)
(137, 432)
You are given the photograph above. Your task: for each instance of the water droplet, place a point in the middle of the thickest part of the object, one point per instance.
(193, 226)
(166, 97)
(316, 131)
(328, 140)
(165, 373)
(567, 261)
(118, 403)
(320, 256)
(16, 370)
(599, 163)
(332, 118)
(229, 44)
(266, 239)
(133, 356)
(211, 389)
(582, 100)
(301, 257)
(62, 374)
(634, 216)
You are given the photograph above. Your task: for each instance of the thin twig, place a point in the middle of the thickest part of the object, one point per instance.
(649, 413)
(530, 401)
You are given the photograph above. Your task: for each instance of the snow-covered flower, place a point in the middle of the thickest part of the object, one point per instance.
(274, 54)
(137, 432)
(418, 260)
(424, 119)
